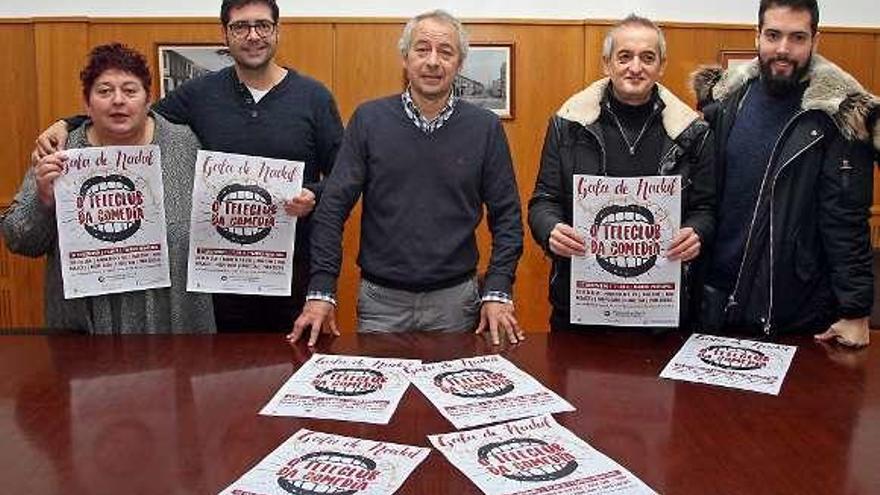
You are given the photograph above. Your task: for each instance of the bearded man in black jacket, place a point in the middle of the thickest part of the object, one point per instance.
(792, 252)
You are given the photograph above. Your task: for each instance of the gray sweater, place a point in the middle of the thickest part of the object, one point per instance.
(28, 228)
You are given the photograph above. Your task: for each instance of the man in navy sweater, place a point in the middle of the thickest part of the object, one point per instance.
(259, 108)
(425, 163)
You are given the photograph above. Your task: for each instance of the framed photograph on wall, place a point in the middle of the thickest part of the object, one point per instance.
(486, 79)
(732, 58)
(180, 63)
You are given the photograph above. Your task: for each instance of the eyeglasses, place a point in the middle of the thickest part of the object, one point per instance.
(242, 29)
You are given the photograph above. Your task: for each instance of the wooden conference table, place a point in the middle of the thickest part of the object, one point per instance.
(178, 415)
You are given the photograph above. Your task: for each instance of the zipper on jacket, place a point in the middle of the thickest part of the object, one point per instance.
(772, 194)
(731, 299)
(601, 148)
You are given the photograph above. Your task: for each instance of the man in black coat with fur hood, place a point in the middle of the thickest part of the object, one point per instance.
(794, 142)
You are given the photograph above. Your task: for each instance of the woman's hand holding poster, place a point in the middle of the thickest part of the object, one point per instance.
(110, 213)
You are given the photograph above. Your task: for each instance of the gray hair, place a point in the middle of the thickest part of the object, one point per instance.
(405, 41)
(633, 20)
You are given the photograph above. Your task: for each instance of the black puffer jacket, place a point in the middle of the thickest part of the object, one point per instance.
(574, 144)
(807, 259)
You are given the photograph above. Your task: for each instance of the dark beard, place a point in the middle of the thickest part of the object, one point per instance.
(783, 85)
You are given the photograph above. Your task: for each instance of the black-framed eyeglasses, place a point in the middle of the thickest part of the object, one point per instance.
(242, 29)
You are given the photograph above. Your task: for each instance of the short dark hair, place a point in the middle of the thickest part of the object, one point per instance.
(228, 5)
(114, 56)
(810, 6)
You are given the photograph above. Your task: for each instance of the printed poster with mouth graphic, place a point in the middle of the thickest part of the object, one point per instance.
(312, 463)
(627, 224)
(733, 363)
(241, 239)
(535, 456)
(110, 212)
(345, 388)
(484, 389)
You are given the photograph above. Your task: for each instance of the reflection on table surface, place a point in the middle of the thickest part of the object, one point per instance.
(151, 414)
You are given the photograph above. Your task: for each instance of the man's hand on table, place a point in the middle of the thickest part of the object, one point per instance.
(317, 317)
(500, 319)
(852, 333)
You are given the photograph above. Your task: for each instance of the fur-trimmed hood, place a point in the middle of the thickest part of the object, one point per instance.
(585, 107)
(831, 90)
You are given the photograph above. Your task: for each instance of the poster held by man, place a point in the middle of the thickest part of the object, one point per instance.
(625, 277)
(241, 240)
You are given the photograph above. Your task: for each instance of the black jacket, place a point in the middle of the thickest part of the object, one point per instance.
(574, 144)
(807, 259)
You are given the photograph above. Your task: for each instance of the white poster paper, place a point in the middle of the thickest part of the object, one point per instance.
(734, 363)
(484, 389)
(345, 388)
(241, 239)
(535, 456)
(110, 210)
(625, 278)
(310, 462)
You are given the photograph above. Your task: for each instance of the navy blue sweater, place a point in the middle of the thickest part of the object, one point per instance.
(296, 120)
(761, 118)
(423, 197)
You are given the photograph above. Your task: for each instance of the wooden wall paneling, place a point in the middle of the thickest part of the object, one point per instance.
(594, 36)
(146, 36)
(21, 290)
(875, 83)
(19, 83)
(688, 49)
(367, 64)
(853, 52)
(549, 68)
(60, 49)
(309, 49)
(20, 280)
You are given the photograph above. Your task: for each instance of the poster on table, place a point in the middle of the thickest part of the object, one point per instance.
(535, 456)
(484, 389)
(733, 363)
(241, 239)
(311, 463)
(627, 224)
(110, 213)
(345, 388)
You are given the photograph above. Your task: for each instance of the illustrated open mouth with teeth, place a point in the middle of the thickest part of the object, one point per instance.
(244, 196)
(116, 230)
(538, 460)
(733, 358)
(625, 266)
(330, 473)
(349, 382)
(474, 383)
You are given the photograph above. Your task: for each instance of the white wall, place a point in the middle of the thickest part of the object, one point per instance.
(833, 12)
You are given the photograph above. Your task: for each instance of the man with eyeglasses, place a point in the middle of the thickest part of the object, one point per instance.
(255, 107)
(792, 252)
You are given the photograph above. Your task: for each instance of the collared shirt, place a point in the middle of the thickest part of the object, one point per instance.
(427, 126)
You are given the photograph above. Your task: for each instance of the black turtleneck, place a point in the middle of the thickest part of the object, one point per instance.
(647, 144)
